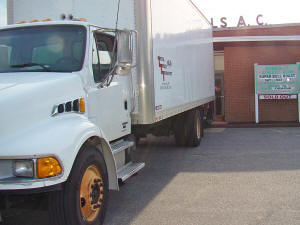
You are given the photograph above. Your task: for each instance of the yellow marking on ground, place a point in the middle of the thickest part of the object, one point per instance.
(277, 130)
(214, 130)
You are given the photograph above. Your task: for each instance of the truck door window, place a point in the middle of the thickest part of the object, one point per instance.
(103, 57)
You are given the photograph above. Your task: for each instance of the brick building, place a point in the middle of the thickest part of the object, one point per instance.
(236, 52)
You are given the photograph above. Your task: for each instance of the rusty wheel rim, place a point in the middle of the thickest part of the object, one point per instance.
(91, 193)
(198, 128)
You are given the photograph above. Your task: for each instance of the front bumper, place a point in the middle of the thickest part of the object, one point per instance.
(16, 183)
(56, 187)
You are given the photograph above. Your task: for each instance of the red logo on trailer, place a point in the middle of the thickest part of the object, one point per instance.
(160, 60)
(164, 66)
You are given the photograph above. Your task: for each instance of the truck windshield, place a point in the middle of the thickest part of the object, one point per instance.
(58, 48)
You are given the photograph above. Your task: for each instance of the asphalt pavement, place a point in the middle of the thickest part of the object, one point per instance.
(236, 176)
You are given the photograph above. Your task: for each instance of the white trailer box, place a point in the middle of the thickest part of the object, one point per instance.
(175, 59)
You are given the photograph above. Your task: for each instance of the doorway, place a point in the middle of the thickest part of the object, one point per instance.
(219, 86)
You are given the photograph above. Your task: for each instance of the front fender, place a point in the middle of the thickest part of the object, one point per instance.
(61, 137)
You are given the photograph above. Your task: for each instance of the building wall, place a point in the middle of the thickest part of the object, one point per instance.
(239, 87)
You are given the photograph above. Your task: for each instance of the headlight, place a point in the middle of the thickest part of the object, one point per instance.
(77, 106)
(24, 168)
(37, 168)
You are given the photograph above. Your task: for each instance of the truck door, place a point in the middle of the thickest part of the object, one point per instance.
(107, 103)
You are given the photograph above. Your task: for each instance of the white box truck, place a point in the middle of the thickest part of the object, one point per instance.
(81, 80)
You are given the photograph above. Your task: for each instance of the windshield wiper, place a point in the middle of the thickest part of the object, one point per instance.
(30, 65)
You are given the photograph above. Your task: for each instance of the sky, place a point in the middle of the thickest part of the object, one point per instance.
(273, 12)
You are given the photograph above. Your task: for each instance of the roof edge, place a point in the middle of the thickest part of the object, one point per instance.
(257, 27)
(256, 38)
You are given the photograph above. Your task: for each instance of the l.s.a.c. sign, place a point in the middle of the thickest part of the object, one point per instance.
(241, 22)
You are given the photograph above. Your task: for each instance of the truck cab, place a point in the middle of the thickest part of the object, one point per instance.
(65, 92)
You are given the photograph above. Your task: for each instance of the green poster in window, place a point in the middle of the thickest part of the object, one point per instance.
(277, 79)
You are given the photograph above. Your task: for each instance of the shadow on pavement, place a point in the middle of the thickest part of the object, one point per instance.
(221, 151)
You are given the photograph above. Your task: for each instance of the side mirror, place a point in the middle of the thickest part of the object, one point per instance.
(122, 69)
(124, 52)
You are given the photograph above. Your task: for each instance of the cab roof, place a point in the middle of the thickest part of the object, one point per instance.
(47, 23)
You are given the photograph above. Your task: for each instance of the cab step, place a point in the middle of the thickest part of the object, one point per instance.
(129, 169)
(120, 146)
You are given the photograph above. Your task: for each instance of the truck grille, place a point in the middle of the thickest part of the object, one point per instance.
(6, 169)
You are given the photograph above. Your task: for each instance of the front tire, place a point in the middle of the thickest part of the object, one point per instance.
(83, 200)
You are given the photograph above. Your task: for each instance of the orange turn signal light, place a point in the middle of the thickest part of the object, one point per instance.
(82, 105)
(48, 167)
(46, 19)
(81, 19)
(33, 21)
(21, 21)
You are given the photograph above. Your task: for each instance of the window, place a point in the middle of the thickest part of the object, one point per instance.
(47, 54)
(103, 56)
(57, 48)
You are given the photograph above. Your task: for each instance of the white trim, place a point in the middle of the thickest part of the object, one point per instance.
(48, 23)
(299, 108)
(278, 96)
(256, 109)
(256, 38)
(164, 114)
